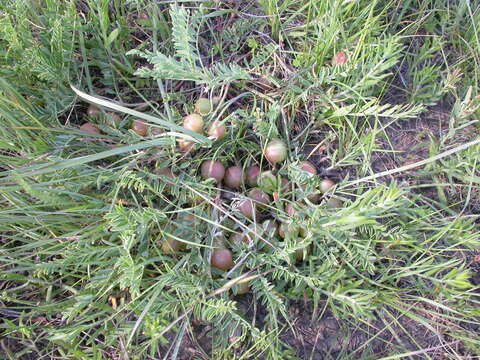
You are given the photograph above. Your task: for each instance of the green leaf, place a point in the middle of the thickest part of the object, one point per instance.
(184, 33)
(112, 37)
(130, 274)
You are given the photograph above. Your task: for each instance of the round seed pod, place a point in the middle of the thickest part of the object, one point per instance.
(252, 175)
(308, 167)
(89, 128)
(275, 151)
(217, 130)
(248, 209)
(142, 16)
(213, 169)
(222, 259)
(238, 238)
(253, 233)
(234, 177)
(114, 117)
(326, 185)
(156, 130)
(259, 196)
(312, 197)
(93, 111)
(140, 127)
(203, 106)
(186, 146)
(290, 210)
(193, 122)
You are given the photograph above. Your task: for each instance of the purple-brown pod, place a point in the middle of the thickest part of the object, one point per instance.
(193, 122)
(212, 169)
(252, 175)
(217, 130)
(248, 209)
(186, 146)
(308, 167)
(275, 151)
(259, 196)
(222, 259)
(140, 126)
(234, 177)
